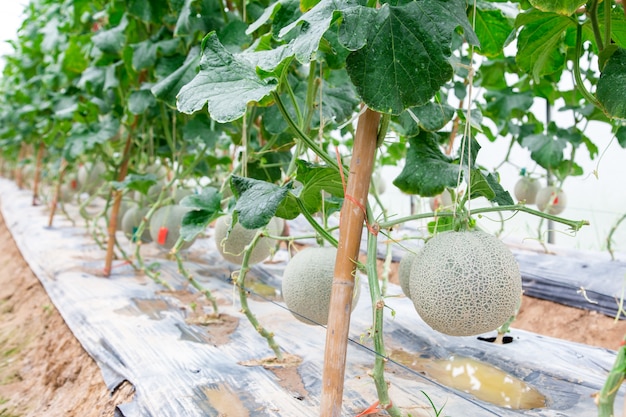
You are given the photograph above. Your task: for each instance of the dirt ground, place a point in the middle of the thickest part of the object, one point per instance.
(44, 370)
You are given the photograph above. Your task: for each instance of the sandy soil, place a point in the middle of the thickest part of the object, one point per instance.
(45, 371)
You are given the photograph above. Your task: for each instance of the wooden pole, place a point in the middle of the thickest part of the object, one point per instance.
(350, 231)
(117, 201)
(57, 191)
(38, 169)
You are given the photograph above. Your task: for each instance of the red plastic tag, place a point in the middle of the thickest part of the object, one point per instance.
(162, 235)
(74, 184)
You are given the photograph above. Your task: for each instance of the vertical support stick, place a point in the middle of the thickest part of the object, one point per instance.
(350, 231)
(57, 192)
(38, 173)
(117, 201)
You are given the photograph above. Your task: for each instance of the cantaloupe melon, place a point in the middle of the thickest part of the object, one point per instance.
(231, 247)
(465, 283)
(165, 226)
(404, 272)
(307, 283)
(131, 221)
(526, 190)
(551, 200)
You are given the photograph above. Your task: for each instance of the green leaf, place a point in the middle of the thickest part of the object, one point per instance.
(226, 82)
(75, 57)
(433, 116)
(427, 171)
(167, 89)
(405, 60)
(148, 10)
(111, 41)
(502, 105)
(546, 150)
(257, 201)
(611, 91)
(479, 185)
(562, 7)
(540, 42)
(313, 24)
(83, 141)
(136, 182)
(492, 29)
(502, 197)
(315, 179)
(205, 208)
(441, 224)
(620, 134)
(141, 100)
(566, 169)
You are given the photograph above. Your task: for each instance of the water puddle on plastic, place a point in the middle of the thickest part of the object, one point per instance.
(485, 382)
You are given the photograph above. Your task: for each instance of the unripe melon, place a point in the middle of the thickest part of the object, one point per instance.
(231, 248)
(526, 190)
(66, 194)
(90, 177)
(307, 284)
(131, 221)
(551, 200)
(404, 272)
(465, 283)
(165, 223)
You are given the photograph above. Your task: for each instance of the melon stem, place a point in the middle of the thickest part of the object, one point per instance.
(240, 282)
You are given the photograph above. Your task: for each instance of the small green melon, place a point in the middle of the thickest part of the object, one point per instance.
(91, 176)
(167, 221)
(465, 283)
(552, 200)
(231, 247)
(131, 221)
(526, 190)
(307, 284)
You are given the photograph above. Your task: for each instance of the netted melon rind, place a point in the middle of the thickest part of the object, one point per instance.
(307, 283)
(465, 283)
(404, 272)
(232, 248)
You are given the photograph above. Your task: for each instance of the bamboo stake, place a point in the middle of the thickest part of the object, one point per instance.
(38, 173)
(57, 192)
(117, 201)
(350, 230)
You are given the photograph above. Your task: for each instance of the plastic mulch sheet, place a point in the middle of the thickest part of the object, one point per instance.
(139, 332)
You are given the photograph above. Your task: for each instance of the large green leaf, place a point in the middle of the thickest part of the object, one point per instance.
(225, 82)
(502, 105)
(167, 89)
(257, 201)
(136, 182)
(84, 140)
(205, 208)
(405, 60)
(148, 10)
(140, 101)
(611, 89)
(502, 197)
(546, 150)
(540, 42)
(492, 29)
(145, 53)
(562, 7)
(316, 179)
(111, 41)
(433, 116)
(427, 171)
(313, 24)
